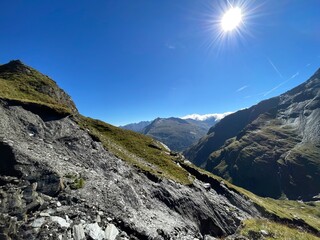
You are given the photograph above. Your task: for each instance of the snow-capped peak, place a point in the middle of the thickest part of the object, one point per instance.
(199, 117)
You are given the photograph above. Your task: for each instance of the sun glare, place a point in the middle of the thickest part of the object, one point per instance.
(231, 19)
(230, 23)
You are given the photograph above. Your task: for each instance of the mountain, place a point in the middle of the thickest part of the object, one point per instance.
(177, 133)
(66, 176)
(272, 148)
(136, 127)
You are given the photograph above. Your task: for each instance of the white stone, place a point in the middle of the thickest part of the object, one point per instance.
(44, 214)
(207, 237)
(59, 204)
(264, 232)
(94, 231)
(78, 232)
(111, 232)
(61, 221)
(100, 213)
(37, 223)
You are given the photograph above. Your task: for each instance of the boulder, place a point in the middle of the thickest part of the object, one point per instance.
(78, 232)
(94, 231)
(61, 221)
(111, 232)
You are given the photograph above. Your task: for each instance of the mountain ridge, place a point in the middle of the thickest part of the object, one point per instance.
(177, 133)
(277, 134)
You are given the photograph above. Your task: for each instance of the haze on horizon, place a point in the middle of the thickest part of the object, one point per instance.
(125, 61)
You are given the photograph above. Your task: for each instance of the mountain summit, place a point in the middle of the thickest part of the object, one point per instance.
(21, 82)
(272, 148)
(178, 133)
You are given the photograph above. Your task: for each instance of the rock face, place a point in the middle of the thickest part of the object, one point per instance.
(41, 158)
(272, 148)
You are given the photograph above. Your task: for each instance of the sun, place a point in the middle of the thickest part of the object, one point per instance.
(231, 19)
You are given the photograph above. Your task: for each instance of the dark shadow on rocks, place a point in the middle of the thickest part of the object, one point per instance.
(46, 113)
(7, 161)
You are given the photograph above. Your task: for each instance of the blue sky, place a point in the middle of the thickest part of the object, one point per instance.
(125, 61)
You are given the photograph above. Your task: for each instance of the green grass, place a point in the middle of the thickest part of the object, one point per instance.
(74, 180)
(253, 227)
(32, 87)
(286, 209)
(139, 150)
(78, 183)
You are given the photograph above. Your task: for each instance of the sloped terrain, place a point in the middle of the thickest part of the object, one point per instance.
(177, 133)
(70, 177)
(272, 148)
(136, 127)
(23, 83)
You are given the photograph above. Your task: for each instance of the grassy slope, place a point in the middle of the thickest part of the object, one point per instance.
(26, 87)
(139, 150)
(267, 147)
(149, 155)
(253, 227)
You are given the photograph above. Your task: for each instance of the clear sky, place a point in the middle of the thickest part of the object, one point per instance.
(124, 61)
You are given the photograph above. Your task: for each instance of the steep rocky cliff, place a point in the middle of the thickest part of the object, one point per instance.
(63, 176)
(272, 148)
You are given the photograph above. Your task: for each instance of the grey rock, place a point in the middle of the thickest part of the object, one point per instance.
(78, 232)
(111, 232)
(264, 232)
(37, 223)
(209, 238)
(207, 186)
(94, 231)
(61, 221)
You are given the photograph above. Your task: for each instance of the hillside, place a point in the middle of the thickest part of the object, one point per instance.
(177, 133)
(136, 127)
(66, 176)
(272, 148)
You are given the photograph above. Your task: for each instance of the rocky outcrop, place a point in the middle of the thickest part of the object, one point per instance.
(24, 82)
(272, 148)
(58, 183)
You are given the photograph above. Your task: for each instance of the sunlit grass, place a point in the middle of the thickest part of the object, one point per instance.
(137, 149)
(33, 87)
(271, 230)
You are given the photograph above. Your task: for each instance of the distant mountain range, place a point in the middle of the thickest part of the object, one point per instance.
(177, 133)
(272, 148)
